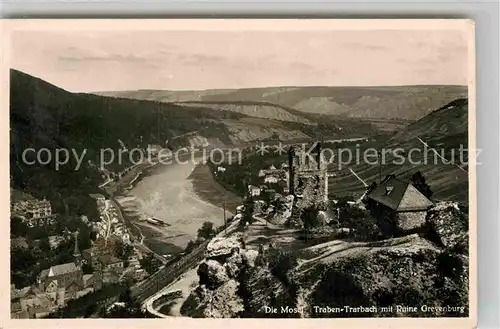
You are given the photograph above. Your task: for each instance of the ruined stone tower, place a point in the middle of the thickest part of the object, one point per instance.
(306, 165)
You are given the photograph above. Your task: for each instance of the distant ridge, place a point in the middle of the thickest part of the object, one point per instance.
(385, 102)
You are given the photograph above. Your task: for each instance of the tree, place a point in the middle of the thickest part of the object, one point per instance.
(206, 231)
(190, 246)
(123, 250)
(150, 264)
(365, 228)
(281, 263)
(309, 217)
(418, 180)
(126, 296)
(87, 268)
(17, 227)
(44, 244)
(248, 208)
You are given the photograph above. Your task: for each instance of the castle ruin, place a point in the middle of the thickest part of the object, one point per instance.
(307, 165)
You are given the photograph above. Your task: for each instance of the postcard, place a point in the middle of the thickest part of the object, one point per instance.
(198, 170)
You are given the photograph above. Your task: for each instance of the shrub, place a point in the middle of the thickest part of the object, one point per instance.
(361, 222)
(206, 231)
(280, 263)
(190, 246)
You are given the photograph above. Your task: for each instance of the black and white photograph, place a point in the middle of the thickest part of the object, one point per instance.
(241, 169)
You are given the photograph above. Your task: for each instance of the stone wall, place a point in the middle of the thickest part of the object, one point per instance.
(407, 221)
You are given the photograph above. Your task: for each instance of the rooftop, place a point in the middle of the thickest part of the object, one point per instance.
(108, 259)
(399, 196)
(60, 269)
(32, 204)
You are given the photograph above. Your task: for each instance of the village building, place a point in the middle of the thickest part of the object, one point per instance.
(68, 276)
(89, 255)
(272, 171)
(62, 275)
(108, 263)
(33, 212)
(134, 259)
(55, 241)
(271, 179)
(36, 304)
(407, 205)
(53, 288)
(93, 281)
(253, 190)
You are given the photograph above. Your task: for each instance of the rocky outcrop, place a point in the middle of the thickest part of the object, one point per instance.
(249, 257)
(224, 246)
(372, 278)
(218, 295)
(450, 224)
(283, 210)
(222, 302)
(265, 291)
(407, 271)
(212, 274)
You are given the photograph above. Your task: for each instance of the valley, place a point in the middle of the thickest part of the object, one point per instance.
(186, 196)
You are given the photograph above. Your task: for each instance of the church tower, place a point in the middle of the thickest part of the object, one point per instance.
(76, 253)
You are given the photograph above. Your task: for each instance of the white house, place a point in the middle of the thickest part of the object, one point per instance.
(253, 190)
(271, 179)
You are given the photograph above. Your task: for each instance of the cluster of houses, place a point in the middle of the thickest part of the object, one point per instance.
(54, 287)
(110, 223)
(110, 267)
(273, 180)
(34, 212)
(58, 284)
(291, 176)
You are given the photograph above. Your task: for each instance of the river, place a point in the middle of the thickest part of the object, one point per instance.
(167, 193)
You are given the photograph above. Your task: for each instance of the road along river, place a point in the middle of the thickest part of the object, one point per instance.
(166, 192)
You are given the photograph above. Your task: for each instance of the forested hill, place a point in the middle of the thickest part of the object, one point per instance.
(45, 116)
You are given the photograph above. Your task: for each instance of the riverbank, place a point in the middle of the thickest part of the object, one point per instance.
(209, 190)
(182, 195)
(168, 193)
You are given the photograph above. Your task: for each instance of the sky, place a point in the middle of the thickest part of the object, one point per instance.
(85, 61)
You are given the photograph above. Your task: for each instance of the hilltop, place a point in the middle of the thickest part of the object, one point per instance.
(391, 102)
(262, 266)
(445, 129)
